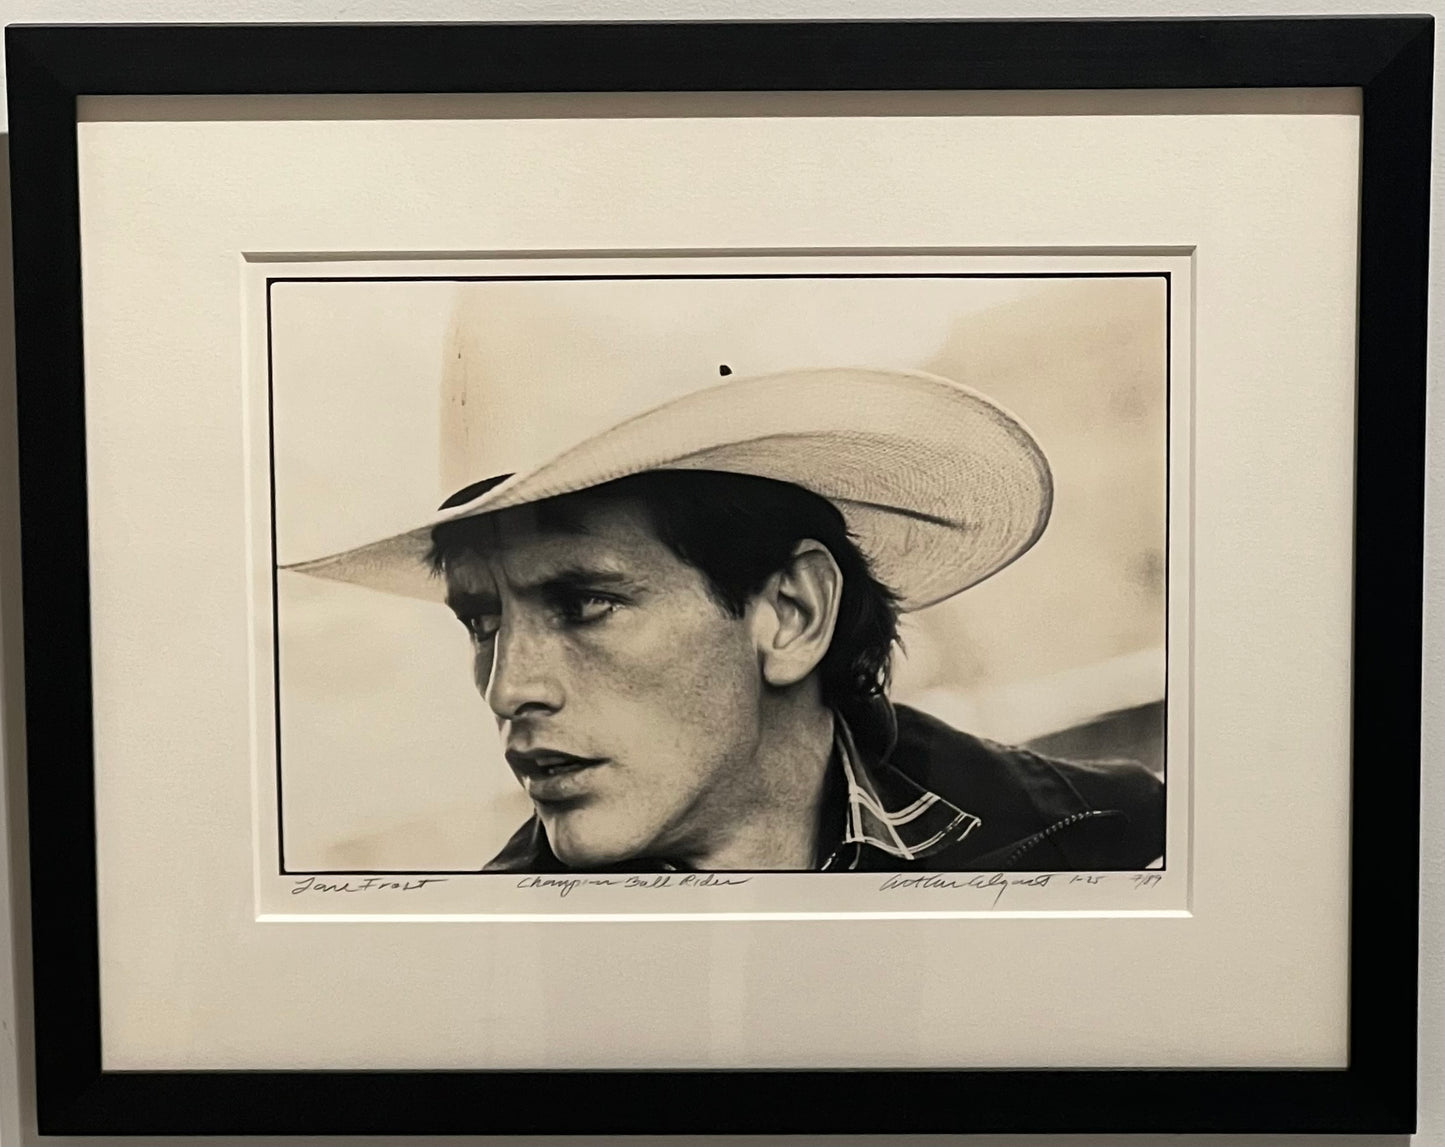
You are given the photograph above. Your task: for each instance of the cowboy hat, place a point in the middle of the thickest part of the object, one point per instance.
(547, 391)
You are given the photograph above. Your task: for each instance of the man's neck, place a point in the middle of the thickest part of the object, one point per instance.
(777, 826)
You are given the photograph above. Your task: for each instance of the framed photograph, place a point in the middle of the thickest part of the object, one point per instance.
(779, 577)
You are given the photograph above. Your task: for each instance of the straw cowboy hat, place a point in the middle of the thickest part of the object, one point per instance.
(548, 388)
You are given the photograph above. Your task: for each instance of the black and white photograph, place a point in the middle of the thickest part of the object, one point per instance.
(858, 577)
(710, 573)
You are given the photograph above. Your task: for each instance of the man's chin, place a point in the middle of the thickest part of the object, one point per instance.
(584, 850)
(591, 857)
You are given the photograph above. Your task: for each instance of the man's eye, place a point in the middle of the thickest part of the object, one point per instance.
(584, 608)
(482, 626)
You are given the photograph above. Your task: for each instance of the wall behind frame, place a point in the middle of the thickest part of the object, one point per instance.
(16, 1061)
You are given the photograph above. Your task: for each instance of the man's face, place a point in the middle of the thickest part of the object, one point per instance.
(628, 700)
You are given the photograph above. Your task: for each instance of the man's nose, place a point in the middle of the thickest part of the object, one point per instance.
(522, 677)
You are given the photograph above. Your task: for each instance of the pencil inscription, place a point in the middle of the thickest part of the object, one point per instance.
(370, 884)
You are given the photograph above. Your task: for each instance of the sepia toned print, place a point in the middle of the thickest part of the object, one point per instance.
(719, 558)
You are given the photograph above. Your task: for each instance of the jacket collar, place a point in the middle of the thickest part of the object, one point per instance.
(886, 810)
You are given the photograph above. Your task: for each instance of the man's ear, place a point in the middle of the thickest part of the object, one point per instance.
(796, 612)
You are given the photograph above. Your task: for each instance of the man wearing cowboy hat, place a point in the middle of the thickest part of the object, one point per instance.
(683, 617)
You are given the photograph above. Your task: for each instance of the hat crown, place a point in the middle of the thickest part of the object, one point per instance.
(531, 368)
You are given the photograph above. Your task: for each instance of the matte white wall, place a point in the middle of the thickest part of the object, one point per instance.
(15, 1119)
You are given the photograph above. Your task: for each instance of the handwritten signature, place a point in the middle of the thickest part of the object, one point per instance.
(370, 884)
(566, 885)
(1000, 883)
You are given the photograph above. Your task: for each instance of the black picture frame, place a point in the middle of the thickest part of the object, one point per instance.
(1389, 58)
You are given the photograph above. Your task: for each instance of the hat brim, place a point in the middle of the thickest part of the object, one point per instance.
(940, 485)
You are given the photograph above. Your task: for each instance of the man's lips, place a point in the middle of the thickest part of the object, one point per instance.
(549, 774)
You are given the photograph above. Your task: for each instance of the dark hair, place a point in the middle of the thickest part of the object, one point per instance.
(738, 530)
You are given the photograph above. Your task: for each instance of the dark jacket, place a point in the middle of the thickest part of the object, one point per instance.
(1021, 811)
(908, 792)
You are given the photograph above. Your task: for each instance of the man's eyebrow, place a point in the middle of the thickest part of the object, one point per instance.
(465, 603)
(579, 577)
